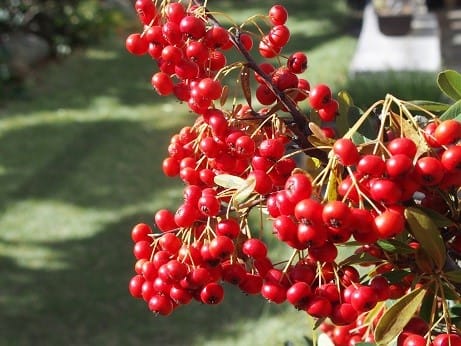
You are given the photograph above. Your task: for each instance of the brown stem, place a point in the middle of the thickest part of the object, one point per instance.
(301, 130)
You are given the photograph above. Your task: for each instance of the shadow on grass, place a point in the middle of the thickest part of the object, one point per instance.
(87, 302)
(101, 164)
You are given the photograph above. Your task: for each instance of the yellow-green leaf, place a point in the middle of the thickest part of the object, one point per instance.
(245, 191)
(392, 322)
(229, 181)
(427, 234)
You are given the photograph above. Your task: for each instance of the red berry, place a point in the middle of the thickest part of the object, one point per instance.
(141, 232)
(346, 151)
(403, 146)
(278, 14)
(212, 293)
(319, 96)
(136, 44)
(448, 132)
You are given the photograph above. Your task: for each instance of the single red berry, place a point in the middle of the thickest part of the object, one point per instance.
(319, 96)
(136, 44)
(451, 159)
(161, 304)
(141, 232)
(278, 14)
(135, 286)
(402, 145)
(448, 132)
(346, 151)
(254, 248)
(212, 293)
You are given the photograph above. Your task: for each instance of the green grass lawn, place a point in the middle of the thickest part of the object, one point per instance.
(80, 156)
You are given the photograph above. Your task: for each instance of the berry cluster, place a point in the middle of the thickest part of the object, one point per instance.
(393, 198)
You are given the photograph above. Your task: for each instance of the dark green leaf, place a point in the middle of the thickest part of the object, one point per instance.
(454, 276)
(456, 310)
(449, 82)
(394, 319)
(425, 311)
(395, 246)
(395, 275)
(449, 292)
(365, 344)
(359, 258)
(427, 234)
(439, 219)
(453, 112)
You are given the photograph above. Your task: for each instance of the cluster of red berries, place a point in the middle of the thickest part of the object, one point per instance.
(412, 335)
(243, 160)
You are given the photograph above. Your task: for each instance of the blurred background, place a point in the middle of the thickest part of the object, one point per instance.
(82, 137)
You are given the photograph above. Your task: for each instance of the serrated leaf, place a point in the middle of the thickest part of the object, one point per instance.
(245, 82)
(245, 191)
(449, 81)
(454, 112)
(394, 320)
(430, 106)
(229, 181)
(395, 246)
(454, 276)
(427, 234)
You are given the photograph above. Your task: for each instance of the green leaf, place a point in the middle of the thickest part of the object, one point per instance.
(427, 234)
(229, 181)
(395, 275)
(359, 258)
(455, 310)
(395, 246)
(245, 191)
(365, 344)
(368, 128)
(439, 219)
(449, 82)
(425, 311)
(453, 112)
(430, 106)
(345, 102)
(392, 322)
(454, 276)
